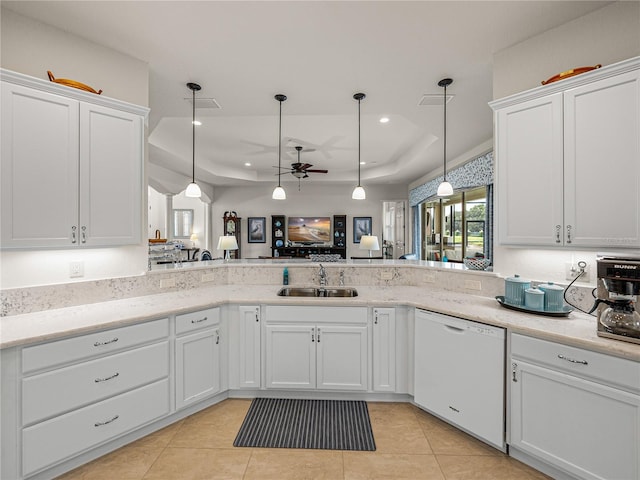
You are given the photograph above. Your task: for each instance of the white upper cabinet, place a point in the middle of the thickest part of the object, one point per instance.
(568, 161)
(71, 166)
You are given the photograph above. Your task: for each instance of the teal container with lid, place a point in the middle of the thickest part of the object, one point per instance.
(553, 297)
(514, 288)
(534, 299)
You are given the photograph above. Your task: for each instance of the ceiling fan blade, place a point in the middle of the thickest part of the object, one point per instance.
(305, 166)
(317, 171)
(281, 168)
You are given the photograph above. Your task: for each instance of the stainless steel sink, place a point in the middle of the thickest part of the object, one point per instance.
(318, 292)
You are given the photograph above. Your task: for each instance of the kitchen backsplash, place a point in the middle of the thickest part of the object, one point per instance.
(448, 277)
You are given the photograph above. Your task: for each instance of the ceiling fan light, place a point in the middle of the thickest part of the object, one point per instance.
(359, 193)
(279, 193)
(193, 191)
(445, 189)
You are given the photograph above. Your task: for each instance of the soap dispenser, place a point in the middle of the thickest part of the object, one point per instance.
(285, 276)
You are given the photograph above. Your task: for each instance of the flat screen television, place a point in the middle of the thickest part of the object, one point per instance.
(309, 230)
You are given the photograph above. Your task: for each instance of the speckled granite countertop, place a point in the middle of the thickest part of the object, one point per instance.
(578, 329)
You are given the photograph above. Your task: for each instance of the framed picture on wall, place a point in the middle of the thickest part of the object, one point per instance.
(361, 226)
(257, 229)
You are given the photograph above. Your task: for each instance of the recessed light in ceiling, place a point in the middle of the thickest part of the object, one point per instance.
(247, 164)
(363, 163)
(434, 100)
(384, 120)
(197, 123)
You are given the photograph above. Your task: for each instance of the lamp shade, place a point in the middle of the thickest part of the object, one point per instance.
(445, 189)
(279, 193)
(193, 191)
(359, 193)
(369, 242)
(227, 242)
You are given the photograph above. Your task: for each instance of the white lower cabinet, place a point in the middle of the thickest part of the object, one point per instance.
(321, 348)
(459, 373)
(197, 356)
(384, 349)
(244, 346)
(576, 410)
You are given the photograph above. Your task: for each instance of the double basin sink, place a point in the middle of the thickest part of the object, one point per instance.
(318, 292)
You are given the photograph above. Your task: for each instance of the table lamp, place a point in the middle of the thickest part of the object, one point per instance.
(227, 243)
(369, 242)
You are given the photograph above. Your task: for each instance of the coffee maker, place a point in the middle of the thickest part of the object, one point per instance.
(618, 288)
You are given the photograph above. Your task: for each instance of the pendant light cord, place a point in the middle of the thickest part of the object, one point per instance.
(445, 132)
(359, 141)
(193, 138)
(280, 143)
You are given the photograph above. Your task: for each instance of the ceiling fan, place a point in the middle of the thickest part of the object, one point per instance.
(301, 170)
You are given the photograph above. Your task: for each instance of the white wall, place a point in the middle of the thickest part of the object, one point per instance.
(32, 48)
(314, 198)
(605, 36)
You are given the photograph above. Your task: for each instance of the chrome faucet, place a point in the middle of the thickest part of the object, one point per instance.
(341, 280)
(322, 274)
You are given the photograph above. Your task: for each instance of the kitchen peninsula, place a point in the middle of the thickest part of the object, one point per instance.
(227, 312)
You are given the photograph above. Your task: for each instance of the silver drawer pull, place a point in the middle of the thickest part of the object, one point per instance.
(107, 422)
(199, 321)
(582, 362)
(113, 340)
(454, 409)
(105, 379)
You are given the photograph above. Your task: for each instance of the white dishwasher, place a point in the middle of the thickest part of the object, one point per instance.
(459, 373)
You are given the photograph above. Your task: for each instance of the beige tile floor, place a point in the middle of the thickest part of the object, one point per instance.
(411, 445)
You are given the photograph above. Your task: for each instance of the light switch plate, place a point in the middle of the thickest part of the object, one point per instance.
(76, 269)
(208, 277)
(473, 284)
(386, 275)
(167, 282)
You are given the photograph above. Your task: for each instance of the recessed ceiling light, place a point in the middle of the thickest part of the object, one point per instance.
(247, 164)
(384, 119)
(197, 122)
(363, 163)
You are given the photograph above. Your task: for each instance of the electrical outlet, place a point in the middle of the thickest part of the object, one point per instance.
(429, 277)
(386, 275)
(76, 269)
(473, 284)
(208, 277)
(572, 270)
(167, 282)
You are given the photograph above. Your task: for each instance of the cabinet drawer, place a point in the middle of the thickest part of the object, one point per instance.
(196, 320)
(59, 438)
(72, 387)
(77, 348)
(342, 315)
(598, 366)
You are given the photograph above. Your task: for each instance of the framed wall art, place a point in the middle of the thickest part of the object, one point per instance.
(257, 229)
(361, 226)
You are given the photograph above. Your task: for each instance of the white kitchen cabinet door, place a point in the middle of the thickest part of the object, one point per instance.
(39, 168)
(529, 143)
(384, 349)
(341, 357)
(602, 163)
(589, 430)
(197, 366)
(248, 347)
(110, 176)
(290, 356)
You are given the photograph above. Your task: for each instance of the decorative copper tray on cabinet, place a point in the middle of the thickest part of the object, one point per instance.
(72, 83)
(569, 73)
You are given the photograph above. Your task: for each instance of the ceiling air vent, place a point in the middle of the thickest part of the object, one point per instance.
(433, 99)
(205, 103)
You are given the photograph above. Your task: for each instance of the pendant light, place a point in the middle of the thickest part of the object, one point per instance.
(445, 189)
(278, 192)
(358, 192)
(193, 190)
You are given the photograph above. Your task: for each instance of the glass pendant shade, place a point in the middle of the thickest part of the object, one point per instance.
(359, 193)
(193, 190)
(445, 189)
(279, 193)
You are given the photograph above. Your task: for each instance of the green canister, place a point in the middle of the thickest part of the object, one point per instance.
(553, 297)
(514, 288)
(534, 299)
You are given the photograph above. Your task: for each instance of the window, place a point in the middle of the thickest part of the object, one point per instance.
(182, 223)
(455, 227)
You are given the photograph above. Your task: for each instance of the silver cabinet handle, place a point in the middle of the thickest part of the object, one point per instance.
(568, 233)
(572, 360)
(313, 335)
(257, 315)
(113, 340)
(454, 409)
(217, 337)
(558, 227)
(514, 366)
(84, 234)
(199, 321)
(375, 321)
(318, 335)
(73, 234)
(98, 380)
(106, 422)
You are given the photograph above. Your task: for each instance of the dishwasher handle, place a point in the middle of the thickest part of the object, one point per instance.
(453, 329)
